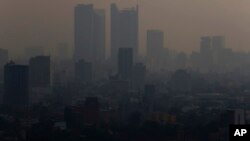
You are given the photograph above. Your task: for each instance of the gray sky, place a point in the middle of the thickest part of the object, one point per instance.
(46, 22)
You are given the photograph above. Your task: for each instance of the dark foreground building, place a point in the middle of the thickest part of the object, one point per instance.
(16, 87)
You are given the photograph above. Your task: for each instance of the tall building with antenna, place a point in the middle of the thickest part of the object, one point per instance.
(124, 30)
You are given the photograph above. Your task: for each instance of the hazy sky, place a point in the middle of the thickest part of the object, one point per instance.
(46, 22)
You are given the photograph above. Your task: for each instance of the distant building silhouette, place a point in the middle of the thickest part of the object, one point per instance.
(83, 71)
(4, 56)
(218, 45)
(99, 37)
(206, 56)
(99, 51)
(16, 85)
(125, 63)
(218, 42)
(89, 34)
(205, 43)
(83, 31)
(155, 46)
(40, 71)
(124, 30)
(214, 56)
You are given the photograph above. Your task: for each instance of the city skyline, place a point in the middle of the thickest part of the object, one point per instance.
(123, 71)
(229, 19)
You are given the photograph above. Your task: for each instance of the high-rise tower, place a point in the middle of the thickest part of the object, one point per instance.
(124, 30)
(89, 34)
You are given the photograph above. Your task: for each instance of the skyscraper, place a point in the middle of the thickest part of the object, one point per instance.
(89, 33)
(125, 63)
(155, 46)
(155, 43)
(84, 15)
(124, 30)
(205, 44)
(218, 48)
(40, 71)
(99, 37)
(16, 85)
(206, 56)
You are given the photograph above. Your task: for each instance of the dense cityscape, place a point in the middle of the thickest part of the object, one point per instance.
(89, 96)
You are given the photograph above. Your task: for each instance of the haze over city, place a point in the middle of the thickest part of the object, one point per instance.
(119, 70)
(32, 22)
